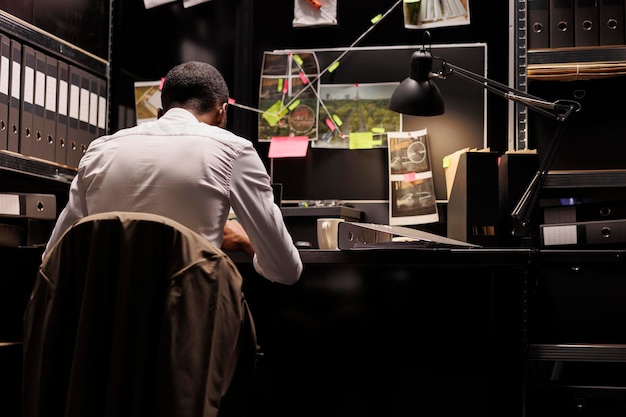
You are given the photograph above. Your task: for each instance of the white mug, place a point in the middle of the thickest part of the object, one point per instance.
(328, 232)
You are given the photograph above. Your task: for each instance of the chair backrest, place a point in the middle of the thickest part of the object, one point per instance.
(133, 314)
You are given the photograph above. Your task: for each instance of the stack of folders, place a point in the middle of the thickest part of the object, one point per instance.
(578, 222)
(26, 219)
(575, 23)
(50, 108)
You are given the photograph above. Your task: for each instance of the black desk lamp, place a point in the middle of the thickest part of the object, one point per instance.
(418, 95)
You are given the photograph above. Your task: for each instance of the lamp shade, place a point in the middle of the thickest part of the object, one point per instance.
(418, 95)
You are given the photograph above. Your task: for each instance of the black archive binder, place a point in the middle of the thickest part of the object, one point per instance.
(586, 30)
(561, 23)
(538, 24)
(611, 22)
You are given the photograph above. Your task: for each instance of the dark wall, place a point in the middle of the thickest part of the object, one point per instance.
(84, 23)
(233, 34)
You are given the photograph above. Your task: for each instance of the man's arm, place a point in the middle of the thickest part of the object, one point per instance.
(236, 239)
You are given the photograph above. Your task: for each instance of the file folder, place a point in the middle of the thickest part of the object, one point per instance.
(538, 24)
(39, 145)
(611, 22)
(605, 232)
(35, 206)
(15, 127)
(50, 110)
(561, 23)
(587, 29)
(62, 113)
(103, 107)
(83, 115)
(73, 151)
(5, 74)
(94, 88)
(28, 100)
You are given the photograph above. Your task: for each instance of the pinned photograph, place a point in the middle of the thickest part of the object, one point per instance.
(424, 14)
(411, 186)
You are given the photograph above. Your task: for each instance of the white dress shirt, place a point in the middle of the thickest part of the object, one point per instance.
(188, 171)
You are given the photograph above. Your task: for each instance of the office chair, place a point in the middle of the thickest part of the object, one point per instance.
(133, 314)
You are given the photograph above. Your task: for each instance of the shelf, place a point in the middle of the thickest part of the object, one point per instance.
(578, 352)
(570, 64)
(578, 54)
(13, 162)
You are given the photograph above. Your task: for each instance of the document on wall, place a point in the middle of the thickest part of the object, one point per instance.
(147, 100)
(424, 14)
(288, 95)
(411, 185)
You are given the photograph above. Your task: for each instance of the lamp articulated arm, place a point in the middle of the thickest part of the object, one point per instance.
(559, 110)
(417, 95)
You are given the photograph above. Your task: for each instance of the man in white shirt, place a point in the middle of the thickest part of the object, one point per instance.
(187, 167)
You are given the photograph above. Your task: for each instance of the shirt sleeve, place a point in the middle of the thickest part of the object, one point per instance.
(252, 199)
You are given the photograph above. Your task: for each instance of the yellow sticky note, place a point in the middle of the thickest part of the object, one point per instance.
(275, 113)
(376, 19)
(333, 66)
(361, 140)
(298, 59)
(337, 120)
(294, 105)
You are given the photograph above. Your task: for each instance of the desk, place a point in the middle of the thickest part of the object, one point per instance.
(370, 332)
(393, 333)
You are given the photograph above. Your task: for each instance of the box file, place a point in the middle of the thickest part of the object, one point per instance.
(50, 110)
(32, 205)
(62, 113)
(611, 22)
(103, 106)
(39, 148)
(584, 211)
(5, 73)
(606, 232)
(28, 100)
(15, 127)
(538, 24)
(73, 151)
(586, 30)
(561, 23)
(84, 137)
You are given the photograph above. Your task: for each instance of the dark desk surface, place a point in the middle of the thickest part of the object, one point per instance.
(417, 257)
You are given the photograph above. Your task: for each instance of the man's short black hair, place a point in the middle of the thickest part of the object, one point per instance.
(194, 85)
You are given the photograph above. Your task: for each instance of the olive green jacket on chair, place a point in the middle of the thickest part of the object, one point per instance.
(133, 314)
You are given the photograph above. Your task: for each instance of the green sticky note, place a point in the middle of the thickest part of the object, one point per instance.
(275, 113)
(333, 66)
(294, 105)
(298, 59)
(361, 140)
(378, 130)
(376, 19)
(337, 120)
(279, 86)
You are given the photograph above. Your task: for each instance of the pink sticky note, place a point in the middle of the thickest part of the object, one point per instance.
(409, 177)
(303, 78)
(231, 100)
(288, 146)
